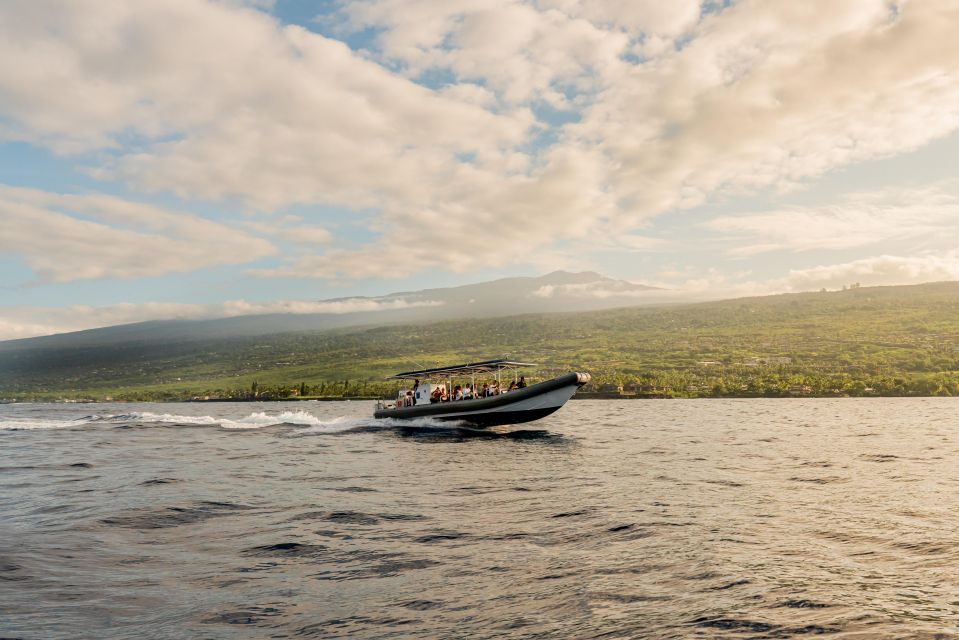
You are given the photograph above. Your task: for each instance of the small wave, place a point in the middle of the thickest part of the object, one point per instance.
(167, 517)
(287, 550)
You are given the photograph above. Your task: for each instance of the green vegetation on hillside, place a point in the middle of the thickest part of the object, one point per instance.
(864, 341)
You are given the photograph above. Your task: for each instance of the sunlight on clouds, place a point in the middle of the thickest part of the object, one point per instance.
(560, 121)
(522, 51)
(65, 237)
(876, 271)
(767, 94)
(881, 270)
(929, 215)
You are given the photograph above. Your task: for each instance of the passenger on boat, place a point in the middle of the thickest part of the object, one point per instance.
(408, 401)
(444, 396)
(436, 396)
(467, 393)
(512, 386)
(484, 392)
(522, 383)
(494, 388)
(457, 393)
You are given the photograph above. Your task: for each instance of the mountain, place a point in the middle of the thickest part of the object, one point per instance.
(554, 292)
(865, 341)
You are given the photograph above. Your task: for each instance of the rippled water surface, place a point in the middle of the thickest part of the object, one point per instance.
(618, 519)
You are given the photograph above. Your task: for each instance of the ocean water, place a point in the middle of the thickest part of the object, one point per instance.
(612, 519)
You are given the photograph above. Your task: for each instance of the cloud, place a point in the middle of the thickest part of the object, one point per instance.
(767, 94)
(230, 103)
(880, 270)
(25, 322)
(522, 51)
(664, 106)
(857, 220)
(876, 271)
(65, 237)
(601, 289)
(340, 306)
(292, 229)
(467, 220)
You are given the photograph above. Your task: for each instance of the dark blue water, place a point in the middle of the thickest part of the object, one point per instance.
(616, 519)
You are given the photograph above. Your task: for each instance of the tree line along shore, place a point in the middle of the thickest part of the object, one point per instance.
(762, 384)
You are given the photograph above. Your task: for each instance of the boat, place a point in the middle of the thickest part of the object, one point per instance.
(516, 406)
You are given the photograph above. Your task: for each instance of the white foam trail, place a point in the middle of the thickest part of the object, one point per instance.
(311, 424)
(169, 418)
(263, 419)
(29, 424)
(255, 420)
(345, 423)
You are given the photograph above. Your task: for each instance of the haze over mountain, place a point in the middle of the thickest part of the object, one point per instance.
(559, 291)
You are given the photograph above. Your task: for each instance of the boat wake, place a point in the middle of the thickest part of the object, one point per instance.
(29, 424)
(303, 422)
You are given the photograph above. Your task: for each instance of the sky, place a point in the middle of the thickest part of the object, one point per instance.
(197, 158)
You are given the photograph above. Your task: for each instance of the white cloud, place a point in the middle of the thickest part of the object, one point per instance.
(481, 221)
(292, 229)
(64, 237)
(522, 51)
(930, 215)
(25, 322)
(876, 271)
(601, 289)
(221, 101)
(770, 93)
(230, 103)
(340, 306)
(881, 270)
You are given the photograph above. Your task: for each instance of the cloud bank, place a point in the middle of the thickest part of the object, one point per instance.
(557, 121)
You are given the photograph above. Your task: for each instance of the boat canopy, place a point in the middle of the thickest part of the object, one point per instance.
(470, 368)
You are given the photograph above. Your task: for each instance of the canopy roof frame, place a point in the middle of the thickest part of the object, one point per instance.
(469, 369)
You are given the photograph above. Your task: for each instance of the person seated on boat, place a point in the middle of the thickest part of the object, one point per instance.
(522, 383)
(467, 392)
(408, 401)
(512, 387)
(444, 396)
(494, 388)
(457, 393)
(436, 396)
(484, 392)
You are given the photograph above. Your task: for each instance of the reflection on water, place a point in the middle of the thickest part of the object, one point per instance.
(738, 518)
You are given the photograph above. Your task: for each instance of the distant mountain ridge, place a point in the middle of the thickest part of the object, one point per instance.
(581, 284)
(559, 291)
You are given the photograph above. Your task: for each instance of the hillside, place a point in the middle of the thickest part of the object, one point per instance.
(868, 341)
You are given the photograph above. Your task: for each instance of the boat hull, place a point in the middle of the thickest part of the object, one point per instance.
(518, 406)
